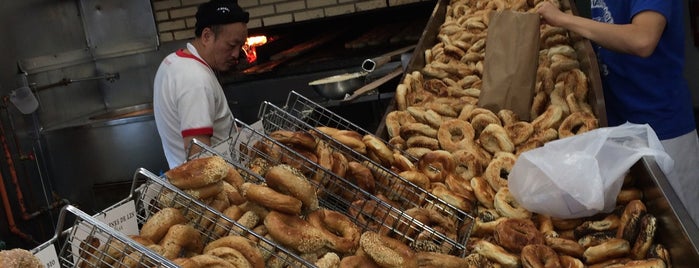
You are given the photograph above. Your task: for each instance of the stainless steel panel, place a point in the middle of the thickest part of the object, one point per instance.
(676, 230)
(101, 152)
(117, 28)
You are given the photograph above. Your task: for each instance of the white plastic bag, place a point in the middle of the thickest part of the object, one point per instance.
(581, 175)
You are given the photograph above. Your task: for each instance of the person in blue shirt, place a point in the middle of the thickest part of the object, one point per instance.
(640, 49)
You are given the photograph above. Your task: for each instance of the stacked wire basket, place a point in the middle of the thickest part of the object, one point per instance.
(83, 243)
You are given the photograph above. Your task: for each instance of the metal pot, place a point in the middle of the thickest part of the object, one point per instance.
(337, 87)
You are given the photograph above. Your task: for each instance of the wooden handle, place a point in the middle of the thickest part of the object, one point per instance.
(374, 84)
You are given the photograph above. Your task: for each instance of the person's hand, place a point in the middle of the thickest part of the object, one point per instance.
(550, 14)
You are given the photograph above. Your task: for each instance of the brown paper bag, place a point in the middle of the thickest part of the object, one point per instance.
(511, 59)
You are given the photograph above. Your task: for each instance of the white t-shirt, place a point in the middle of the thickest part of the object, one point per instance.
(188, 100)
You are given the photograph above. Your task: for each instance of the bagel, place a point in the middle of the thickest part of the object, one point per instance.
(439, 260)
(460, 187)
(498, 170)
(198, 172)
(294, 232)
(570, 262)
(371, 215)
(660, 252)
(417, 152)
(340, 164)
(564, 246)
(550, 118)
(577, 123)
(243, 245)
(483, 192)
(341, 233)
(288, 180)
(233, 177)
(514, 234)
(539, 256)
(330, 131)
(155, 228)
(594, 239)
(416, 177)
(494, 138)
(436, 165)
(437, 221)
(496, 253)
(410, 129)
(206, 260)
(361, 176)
(402, 163)
(519, 132)
(18, 257)
(358, 261)
(644, 240)
(398, 143)
(294, 138)
(387, 251)
(328, 260)
(613, 248)
(396, 119)
(455, 134)
(609, 223)
(421, 141)
(507, 117)
(351, 139)
(181, 237)
(207, 191)
(630, 220)
(271, 199)
(224, 224)
(232, 193)
(380, 149)
(507, 206)
(467, 163)
(450, 197)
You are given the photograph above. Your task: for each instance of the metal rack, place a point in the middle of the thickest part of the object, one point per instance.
(406, 194)
(368, 211)
(156, 193)
(316, 115)
(86, 242)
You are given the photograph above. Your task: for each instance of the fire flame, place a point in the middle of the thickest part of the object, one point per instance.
(250, 44)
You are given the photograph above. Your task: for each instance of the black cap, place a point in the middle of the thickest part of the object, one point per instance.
(218, 12)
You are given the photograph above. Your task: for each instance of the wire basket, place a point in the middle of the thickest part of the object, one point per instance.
(406, 194)
(156, 194)
(316, 115)
(89, 242)
(367, 211)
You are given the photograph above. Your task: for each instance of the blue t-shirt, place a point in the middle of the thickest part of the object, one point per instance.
(646, 90)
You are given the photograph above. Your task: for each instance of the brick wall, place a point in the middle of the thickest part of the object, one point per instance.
(175, 18)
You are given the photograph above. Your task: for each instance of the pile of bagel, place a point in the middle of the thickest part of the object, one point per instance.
(437, 117)
(372, 176)
(284, 209)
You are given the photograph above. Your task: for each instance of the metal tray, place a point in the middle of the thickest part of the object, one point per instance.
(406, 194)
(79, 244)
(338, 194)
(676, 230)
(202, 217)
(583, 47)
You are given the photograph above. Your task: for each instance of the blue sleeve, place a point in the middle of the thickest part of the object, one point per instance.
(664, 7)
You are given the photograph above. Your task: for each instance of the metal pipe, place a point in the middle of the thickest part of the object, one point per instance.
(66, 81)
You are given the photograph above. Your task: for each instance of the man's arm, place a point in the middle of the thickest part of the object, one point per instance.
(206, 139)
(639, 38)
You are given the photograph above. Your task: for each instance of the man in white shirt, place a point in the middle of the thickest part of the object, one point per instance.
(188, 99)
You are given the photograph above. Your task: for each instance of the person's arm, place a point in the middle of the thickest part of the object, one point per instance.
(639, 38)
(206, 139)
